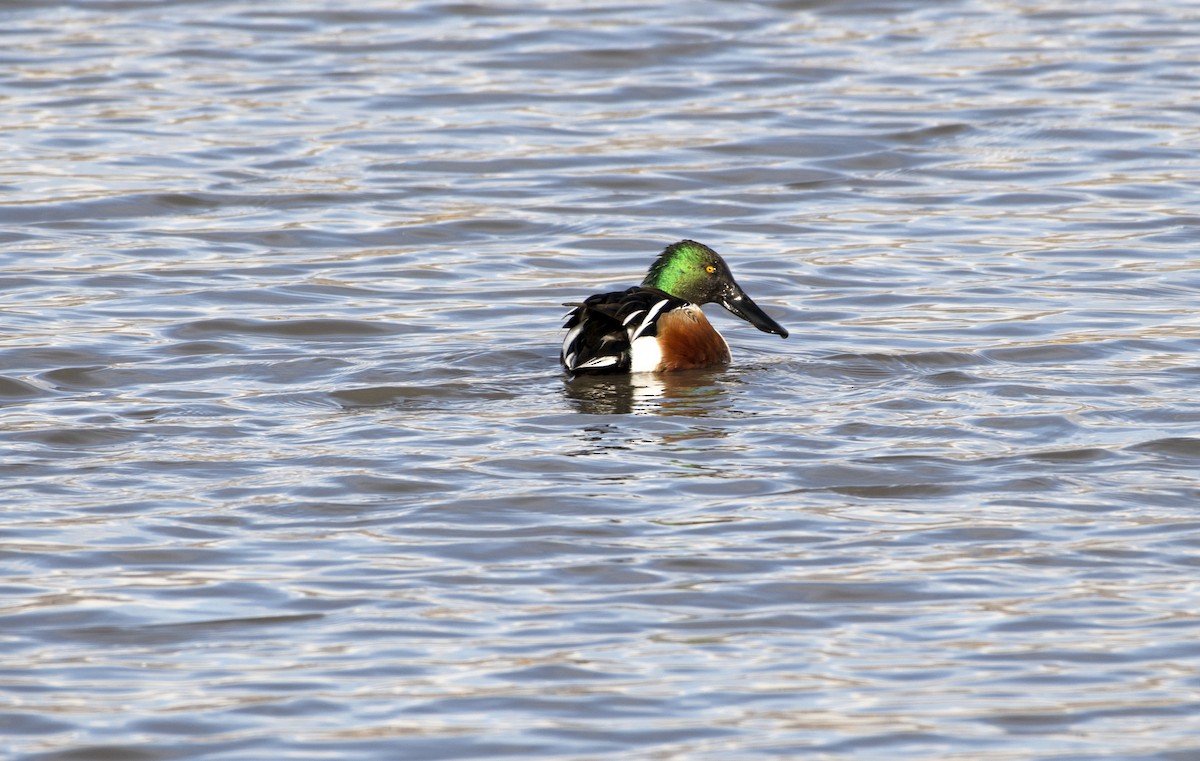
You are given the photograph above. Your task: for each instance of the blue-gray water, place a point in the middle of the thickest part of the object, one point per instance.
(290, 471)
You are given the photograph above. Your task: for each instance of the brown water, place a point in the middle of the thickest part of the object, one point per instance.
(290, 471)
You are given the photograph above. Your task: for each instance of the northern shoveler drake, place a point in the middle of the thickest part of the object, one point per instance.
(658, 326)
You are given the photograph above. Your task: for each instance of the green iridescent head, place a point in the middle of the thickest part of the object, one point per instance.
(688, 270)
(694, 272)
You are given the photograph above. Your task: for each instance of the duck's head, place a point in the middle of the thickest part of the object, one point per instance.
(693, 271)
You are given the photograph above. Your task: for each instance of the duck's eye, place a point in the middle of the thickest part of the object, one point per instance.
(710, 269)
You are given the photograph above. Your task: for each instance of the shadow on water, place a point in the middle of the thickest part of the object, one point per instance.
(695, 393)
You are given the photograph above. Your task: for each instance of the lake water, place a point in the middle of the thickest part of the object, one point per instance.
(290, 470)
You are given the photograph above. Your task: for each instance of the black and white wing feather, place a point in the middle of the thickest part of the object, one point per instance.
(603, 330)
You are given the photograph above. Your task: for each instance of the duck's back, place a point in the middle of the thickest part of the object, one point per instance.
(616, 332)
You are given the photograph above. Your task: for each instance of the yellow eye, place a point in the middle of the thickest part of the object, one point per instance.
(710, 269)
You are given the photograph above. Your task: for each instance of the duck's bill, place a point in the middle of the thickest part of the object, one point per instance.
(743, 306)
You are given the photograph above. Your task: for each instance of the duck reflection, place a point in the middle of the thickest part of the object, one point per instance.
(693, 393)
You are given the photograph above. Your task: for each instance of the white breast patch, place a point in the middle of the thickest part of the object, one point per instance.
(644, 355)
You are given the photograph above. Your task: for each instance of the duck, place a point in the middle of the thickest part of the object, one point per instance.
(658, 326)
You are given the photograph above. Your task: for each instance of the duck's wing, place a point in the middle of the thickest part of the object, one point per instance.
(601, 330)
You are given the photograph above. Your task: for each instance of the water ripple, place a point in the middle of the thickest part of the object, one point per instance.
(291, 470)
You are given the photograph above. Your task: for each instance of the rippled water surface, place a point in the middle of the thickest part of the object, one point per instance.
(290, 470)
